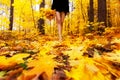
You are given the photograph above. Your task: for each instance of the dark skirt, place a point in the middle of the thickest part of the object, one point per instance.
(61, 5)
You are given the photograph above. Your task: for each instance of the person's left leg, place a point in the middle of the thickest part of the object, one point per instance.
(58, 20)
(62, 17)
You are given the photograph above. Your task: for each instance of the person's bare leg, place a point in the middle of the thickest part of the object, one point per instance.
(58, 20)
(62, 18)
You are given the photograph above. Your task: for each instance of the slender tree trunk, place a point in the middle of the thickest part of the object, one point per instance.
(42, 5)
(41, 21)
(33, 13)
(91, 11)
(11, 15)
(109, 24)
(102, 11)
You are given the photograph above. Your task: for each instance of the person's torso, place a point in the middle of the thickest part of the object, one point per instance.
(60, 2)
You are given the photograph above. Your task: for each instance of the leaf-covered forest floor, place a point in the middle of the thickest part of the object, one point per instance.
(32, 56)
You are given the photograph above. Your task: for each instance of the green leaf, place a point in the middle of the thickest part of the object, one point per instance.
(24, 65)
(2, 73)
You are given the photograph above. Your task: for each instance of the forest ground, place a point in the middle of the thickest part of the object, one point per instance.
(90, 56)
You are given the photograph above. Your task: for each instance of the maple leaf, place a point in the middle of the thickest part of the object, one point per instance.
(43, 64)
(18, 58)
(8, 63)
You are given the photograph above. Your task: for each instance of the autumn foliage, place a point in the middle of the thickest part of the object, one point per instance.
(77, 57)
(89, 50)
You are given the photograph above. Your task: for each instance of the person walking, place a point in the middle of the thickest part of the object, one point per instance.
(62, 8)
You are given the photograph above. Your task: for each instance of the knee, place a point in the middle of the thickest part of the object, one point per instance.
(58, 21)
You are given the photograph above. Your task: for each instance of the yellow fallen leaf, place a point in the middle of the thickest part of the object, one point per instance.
(43, 64)
(18, 58)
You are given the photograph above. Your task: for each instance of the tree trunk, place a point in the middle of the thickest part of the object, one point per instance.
(109, 24)
(102, 11)
(31, 3)
(42, 5)
(41, 21)
(91, 11)
(11, 15)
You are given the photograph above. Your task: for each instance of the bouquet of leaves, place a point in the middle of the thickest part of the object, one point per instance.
(48, 13)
